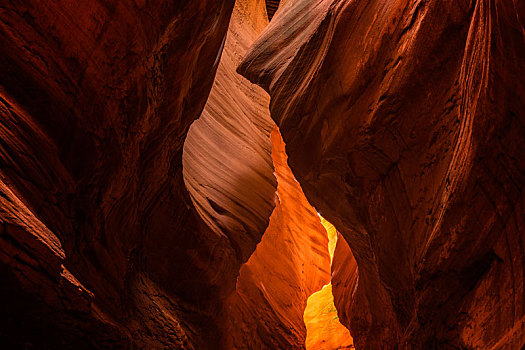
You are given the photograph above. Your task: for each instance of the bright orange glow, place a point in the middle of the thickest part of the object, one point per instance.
(323, 329)
(332, 236)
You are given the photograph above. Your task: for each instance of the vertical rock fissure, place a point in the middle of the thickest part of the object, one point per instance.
(290, 263)
(323, 328)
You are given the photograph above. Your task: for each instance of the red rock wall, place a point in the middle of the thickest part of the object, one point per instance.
(345, 279)
(290, 263)
(96, 98)
(324, 330)
(404, 124)
(227, 162)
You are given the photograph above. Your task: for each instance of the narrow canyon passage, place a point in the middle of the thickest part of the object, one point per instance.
(324, 331)
(290, 263)
(262, 174)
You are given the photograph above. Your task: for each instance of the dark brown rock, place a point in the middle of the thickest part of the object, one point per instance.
(404, 124)
(96, 100)
(290, 264)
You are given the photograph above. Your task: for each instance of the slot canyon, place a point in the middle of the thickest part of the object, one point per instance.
(262, 174)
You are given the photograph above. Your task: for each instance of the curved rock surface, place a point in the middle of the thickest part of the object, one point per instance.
(227, 162)
(345, 278)
(404, 124)
(99, 238)
(324, 330)
(290, 263)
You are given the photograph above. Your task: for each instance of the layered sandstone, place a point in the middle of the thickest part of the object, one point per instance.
(324, 330)
(404, 124)
(99, 238)
(290, 264)
(227, 162)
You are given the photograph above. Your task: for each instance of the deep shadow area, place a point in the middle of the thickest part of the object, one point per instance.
(28, 323)
(271, 7)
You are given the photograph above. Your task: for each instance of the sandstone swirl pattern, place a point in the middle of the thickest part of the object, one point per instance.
(404, 124)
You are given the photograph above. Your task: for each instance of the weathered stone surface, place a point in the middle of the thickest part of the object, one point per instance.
(345, 279)
(324, 330)
(290, 263)
(227, 162)
(404, 124)
(96, 100)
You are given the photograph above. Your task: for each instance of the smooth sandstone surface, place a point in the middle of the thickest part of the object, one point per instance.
(147, 199)
(324, 330)
(291, 263)
(227, 162)
(404, 124)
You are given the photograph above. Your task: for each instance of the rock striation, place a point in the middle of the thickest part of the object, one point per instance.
(100, 244)
(147, 199)
(324, 330)
(290, 264)
(404, 124)
(227, 161)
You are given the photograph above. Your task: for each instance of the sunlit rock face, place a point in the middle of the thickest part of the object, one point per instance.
(99, 240)
(290, 263)
(403, 121)
(324, 330)
(227, 162)
(404, 124)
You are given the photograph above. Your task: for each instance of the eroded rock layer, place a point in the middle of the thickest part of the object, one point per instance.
(227, 162)
(345, 279)
(99, 238)
(324, 330)
(404, 124)
(290, 263)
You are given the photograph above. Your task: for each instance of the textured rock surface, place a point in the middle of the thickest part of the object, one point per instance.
(324, 330)
(95, 101)
(344, 282)
(290, 263)
(404, 124)
(227, 163)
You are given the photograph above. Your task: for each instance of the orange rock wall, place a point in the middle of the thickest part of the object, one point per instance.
(227, 162)
(290, 263)
(404, 124)
(324, 330)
